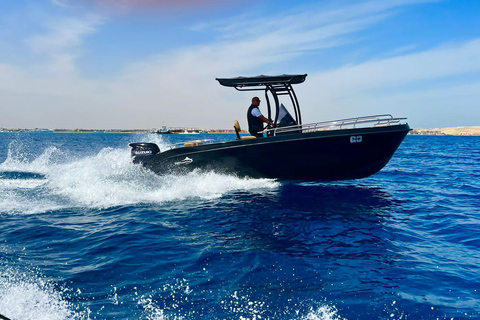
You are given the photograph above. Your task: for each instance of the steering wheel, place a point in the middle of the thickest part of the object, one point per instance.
(270, 126)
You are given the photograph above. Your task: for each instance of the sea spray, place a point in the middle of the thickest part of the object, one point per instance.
(29, 296)
(106, 179)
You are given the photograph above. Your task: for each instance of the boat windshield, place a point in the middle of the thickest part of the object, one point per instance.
(284, 117)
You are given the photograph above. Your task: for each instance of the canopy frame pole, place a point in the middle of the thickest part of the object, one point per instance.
(286, 89)
(268, 104)
(276, 85)
(296, 106)
(270, 88)
(283, 90)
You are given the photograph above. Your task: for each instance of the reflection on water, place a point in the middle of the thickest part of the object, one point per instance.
(295, 217)
(299, 238)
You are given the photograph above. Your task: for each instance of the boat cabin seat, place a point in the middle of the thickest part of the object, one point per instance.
(236, 126)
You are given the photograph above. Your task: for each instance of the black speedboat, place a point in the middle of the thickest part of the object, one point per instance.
(334, 150)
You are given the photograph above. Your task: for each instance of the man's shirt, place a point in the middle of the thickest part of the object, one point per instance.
(256, 112)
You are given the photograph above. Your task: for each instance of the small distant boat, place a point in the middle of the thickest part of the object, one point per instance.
(343, 149)
(163, 130)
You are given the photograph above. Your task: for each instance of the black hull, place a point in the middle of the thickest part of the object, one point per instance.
(321, 155)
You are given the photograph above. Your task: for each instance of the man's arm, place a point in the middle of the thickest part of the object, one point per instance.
(256, 113)
(261, 117)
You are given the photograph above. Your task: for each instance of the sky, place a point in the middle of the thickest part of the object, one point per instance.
(142, 64)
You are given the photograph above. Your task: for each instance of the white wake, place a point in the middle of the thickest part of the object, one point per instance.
(104, 180)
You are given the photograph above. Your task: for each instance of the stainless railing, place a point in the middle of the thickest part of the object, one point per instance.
(349, 123)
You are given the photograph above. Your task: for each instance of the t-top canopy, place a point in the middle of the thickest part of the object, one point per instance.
(262, 80)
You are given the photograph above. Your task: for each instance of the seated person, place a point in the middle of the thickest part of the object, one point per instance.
(256, 119)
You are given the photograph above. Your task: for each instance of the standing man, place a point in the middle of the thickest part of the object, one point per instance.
(256, 119)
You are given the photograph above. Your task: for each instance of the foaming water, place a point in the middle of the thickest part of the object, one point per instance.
(110, 179)
(27, 296)
(177, 296)
(103, 180)
(323, 313)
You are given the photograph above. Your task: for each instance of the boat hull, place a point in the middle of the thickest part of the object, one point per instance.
(321, 155)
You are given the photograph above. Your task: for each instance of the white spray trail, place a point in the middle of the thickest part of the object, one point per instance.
(104, 180)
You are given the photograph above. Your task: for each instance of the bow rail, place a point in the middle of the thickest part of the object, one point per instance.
(349, 123)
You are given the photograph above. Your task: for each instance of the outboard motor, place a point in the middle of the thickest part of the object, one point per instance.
(142, 151)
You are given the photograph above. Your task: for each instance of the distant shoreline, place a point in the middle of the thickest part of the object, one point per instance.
(112, 130)
(448, 131)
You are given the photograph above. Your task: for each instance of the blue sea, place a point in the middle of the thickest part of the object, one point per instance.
(85, 234)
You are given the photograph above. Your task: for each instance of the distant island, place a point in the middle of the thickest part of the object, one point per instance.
(451, 131)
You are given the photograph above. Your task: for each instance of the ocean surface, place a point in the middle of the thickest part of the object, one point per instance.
(85, 234)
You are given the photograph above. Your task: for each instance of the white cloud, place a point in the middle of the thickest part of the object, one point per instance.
(61, 43)
(437, 63)
(178, 87)
(385, 86)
